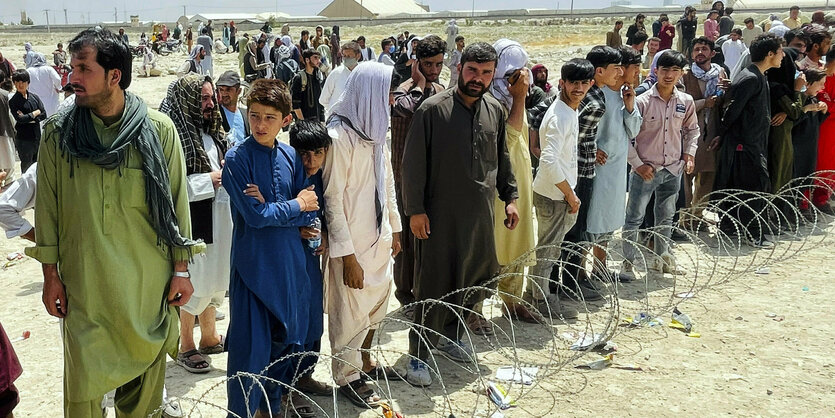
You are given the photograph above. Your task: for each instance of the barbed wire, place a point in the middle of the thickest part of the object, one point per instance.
(715, 252)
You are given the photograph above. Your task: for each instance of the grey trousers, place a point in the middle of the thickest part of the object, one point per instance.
(554, 222)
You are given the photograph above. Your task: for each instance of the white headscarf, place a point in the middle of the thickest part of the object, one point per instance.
(409, 51)
(363, 109)
(511, 58)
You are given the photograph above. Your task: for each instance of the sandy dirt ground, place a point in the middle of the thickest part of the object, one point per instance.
(764, 347)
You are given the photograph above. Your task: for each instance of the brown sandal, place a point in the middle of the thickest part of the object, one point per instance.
(479, 325)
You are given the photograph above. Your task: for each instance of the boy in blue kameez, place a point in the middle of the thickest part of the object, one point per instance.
(269, 268)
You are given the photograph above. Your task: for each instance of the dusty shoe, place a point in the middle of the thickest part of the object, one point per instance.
(551, 307)
(417, 374)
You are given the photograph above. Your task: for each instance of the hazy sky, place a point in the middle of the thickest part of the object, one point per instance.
(102, 10)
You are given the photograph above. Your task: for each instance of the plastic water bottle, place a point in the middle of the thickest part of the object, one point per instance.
(314, 243)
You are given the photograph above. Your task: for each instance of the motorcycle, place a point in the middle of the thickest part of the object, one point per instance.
(167, 47)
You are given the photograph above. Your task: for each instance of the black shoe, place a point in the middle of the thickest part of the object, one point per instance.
(679, 236)
(584, 290)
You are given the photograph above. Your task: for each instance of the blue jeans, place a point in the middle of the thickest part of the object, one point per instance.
(665, 185)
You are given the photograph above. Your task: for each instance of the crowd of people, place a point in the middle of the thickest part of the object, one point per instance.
(351, 174)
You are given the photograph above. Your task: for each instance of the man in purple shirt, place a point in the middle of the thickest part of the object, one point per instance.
(662, 151)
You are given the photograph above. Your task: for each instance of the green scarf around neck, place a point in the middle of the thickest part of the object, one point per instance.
(78, 140)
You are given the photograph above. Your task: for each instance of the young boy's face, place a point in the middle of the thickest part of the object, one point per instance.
(265, 122)
(313, 160)
(812, 89)
(734, 36)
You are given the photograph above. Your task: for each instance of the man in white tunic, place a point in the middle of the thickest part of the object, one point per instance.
(190, 103)
(45, 82)
(363, 228)
(335, 83)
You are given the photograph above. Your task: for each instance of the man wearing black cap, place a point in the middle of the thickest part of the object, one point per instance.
(235, 123)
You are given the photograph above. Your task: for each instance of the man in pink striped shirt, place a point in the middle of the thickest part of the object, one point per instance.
(663, 149)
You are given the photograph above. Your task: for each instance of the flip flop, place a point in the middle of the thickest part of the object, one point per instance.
(383, 373)
(184, 360)
(358, 393)
(215, 349)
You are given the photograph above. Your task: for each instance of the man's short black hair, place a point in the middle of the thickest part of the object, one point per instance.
(619, 22)
(306, 32)
(639, 37)
(20, 75)
(795, 7)
(459, 38)
(737, 31)
(748, 20)
(671, 58)
(479, 52)
(577, 69)
(798, 33)
(430, 46)
(384, 42)
(360, 38)
(817, 35)
(205, 30)
(704, 40)
(728, 11)
(629, 56)
(111, 51)
(663, 19)
(602, 56)
(309, 53)
(639, 17)
(762, 45)
(309, 135)
(814, 74)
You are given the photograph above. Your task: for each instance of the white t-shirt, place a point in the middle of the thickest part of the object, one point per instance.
(732, 50)
(558, 142)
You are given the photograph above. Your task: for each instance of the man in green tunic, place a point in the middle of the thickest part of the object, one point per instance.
(113, 227)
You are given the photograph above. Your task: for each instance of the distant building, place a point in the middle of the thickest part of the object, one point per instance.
(372, 8)
(622, 3)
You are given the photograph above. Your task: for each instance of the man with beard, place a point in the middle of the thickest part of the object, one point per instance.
(454, 161)
(194, 64)
(819, 41)
(706, 83)
(407, 97)
(112, 182)
(190, 103)
(319, 38)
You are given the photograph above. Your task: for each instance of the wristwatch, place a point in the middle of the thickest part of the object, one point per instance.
(183, 274)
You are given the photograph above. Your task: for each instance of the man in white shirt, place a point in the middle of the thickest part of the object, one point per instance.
(363, 229)
(750, 32)
(14, 201)
(554, 198)
(235, 123)
(190, 103)
(388, 48)
(733, 48)
(366, 51)
(335, 82)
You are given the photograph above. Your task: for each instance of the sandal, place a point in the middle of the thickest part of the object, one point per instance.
(479, 325)
(522, 313)
(382, 373)
(298, 405)
(312, 386)
(360, 394)
(215, 349)
(193, 366)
